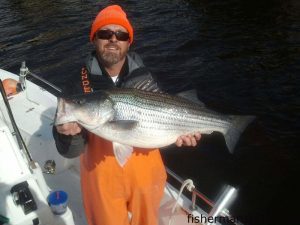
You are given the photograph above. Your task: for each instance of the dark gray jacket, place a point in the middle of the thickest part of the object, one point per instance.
(133, 75)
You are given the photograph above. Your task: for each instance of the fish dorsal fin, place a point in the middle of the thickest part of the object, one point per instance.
(142, 79)
(122, 124)
(191, 95)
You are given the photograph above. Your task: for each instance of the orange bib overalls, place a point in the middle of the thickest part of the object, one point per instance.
(111, 191)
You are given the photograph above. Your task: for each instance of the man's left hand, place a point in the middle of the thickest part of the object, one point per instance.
(188, 140)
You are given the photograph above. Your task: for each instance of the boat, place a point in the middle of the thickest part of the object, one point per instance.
(31, 169)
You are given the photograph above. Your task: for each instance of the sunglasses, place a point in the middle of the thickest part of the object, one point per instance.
(107, 34)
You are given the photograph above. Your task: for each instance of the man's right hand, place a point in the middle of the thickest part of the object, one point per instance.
(71, 128)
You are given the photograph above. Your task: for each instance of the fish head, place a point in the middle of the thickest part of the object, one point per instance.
(90, 113)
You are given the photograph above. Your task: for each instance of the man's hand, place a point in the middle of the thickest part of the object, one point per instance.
(188, 140)
(71, 128)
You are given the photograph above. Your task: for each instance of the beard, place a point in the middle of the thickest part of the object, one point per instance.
(111, 58)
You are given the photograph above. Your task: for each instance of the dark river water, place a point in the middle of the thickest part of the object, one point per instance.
(242, 57)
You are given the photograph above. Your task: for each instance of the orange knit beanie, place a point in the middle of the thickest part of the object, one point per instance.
(113, 14)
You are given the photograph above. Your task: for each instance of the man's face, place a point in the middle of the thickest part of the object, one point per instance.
(111, 51)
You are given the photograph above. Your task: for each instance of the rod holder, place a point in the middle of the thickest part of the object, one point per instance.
(223, 202)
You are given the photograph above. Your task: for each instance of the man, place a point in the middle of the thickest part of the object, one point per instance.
(115, 179)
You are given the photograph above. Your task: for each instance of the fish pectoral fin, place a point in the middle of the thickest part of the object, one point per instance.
(123, 124)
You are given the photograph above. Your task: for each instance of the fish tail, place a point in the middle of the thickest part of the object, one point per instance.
(235, 130)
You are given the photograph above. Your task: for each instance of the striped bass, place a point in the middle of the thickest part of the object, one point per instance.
(146, 119)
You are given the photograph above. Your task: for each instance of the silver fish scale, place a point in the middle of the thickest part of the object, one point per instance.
(160, 111)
